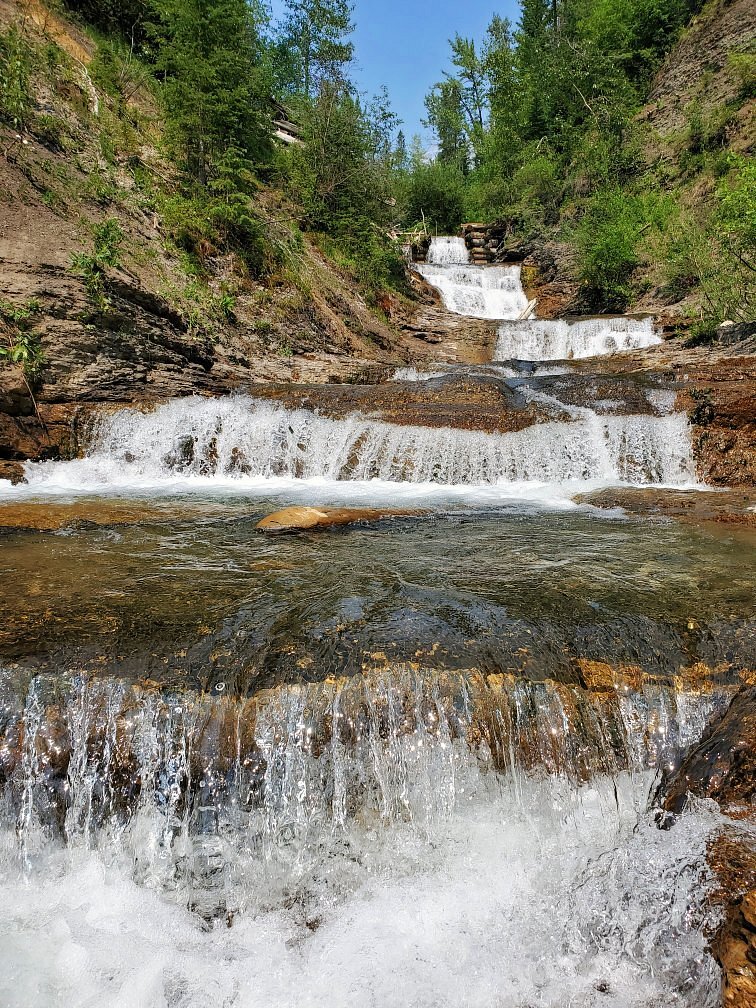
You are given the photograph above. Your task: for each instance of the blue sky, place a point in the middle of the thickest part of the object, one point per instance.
(404, 45)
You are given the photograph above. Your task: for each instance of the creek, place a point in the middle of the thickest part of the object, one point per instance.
(406, 763)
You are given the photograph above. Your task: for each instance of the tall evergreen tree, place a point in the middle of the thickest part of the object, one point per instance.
(446, 116)
(216, 91)
(314, 44)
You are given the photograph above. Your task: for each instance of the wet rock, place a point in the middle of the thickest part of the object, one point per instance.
(52, 517)
(294, 519)
(12, 471)
(730, 507)
(723, 764)
(484, 403)
(733, 859)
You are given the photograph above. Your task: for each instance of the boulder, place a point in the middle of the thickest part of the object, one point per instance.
(723, 764)
(294, 519)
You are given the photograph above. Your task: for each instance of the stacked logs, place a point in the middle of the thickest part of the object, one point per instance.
(477, 240)
(488, 243)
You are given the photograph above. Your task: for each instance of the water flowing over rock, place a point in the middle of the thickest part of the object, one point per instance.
(276, 765)
(448, 252)
(240, 437)
(493, 292)
(397, 744)
(474, 291)
(559, 340)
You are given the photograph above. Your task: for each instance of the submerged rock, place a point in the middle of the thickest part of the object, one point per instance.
(293, 519)
(727, 506)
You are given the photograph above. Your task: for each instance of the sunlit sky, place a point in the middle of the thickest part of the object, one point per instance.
(403, 44)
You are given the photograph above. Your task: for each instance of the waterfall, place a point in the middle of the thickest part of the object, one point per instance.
(394, 745)
(484, 292)
(448, 252)
(558, 340)
(241, 437)
(493, 292)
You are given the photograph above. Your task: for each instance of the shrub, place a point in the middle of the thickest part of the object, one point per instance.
(15, 70)
(107, 239)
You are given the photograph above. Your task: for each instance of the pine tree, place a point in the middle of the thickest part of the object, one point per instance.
(314, 46)
(216, 92)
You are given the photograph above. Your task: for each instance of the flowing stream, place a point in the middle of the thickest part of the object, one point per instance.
(405, 765)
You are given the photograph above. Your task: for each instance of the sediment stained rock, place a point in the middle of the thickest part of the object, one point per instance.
(296, 519)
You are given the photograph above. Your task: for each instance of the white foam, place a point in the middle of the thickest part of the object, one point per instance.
(483, 292)
(238, 438)
(541, 340)
(446, 251)
(546, 899)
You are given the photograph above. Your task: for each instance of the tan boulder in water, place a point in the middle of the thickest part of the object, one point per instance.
(293, 518)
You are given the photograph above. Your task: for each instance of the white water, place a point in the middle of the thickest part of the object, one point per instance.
(483, 292)
(448, 252)
(504, 907)
(384, 864)
(443, 848)
(442, 370)
(239, 438)
(559, 340)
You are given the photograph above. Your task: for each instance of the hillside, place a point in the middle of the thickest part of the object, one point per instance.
(97, 281)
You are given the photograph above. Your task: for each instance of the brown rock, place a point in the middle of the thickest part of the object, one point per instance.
(293, 519)
(730, 507)
(723, 764)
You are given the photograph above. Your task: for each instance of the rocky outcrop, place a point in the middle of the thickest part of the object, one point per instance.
(722, 767)
(736, 507)
(699, 67)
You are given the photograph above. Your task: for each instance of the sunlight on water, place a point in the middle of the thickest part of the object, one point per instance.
(559, 340)
(238, 438)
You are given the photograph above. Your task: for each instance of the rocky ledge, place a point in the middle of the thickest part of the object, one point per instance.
(722, 767)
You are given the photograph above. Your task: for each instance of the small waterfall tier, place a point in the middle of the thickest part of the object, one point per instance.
(448, 252)
(493, 292)
(239, 436)
(538, 340)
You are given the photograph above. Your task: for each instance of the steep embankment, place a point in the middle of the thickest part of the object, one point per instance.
(700, 111)
(97, 285)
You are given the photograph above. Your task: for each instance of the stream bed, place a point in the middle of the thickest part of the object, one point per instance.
(402, 764)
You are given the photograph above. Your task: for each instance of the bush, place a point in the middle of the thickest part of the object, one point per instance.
(607, 239)
(15, 70)
(435, 193)
(107, 239)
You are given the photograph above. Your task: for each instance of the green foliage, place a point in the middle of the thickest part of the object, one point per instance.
(342, 177)
(215, 83)
(15, 71)
(434, 193)
(50, 131)
(737, 207)
(126, 17)
(107, 239)
(743, 65)
(312, 46)
(21, 346)
(219, 218)
(607, 239)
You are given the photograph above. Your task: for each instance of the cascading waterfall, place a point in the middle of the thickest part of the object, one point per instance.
(448, 252)
(448, 827)
(485, 293)
(81, 756)
(240, 437)
(539, 340)
(330, 820)
(492, 292)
